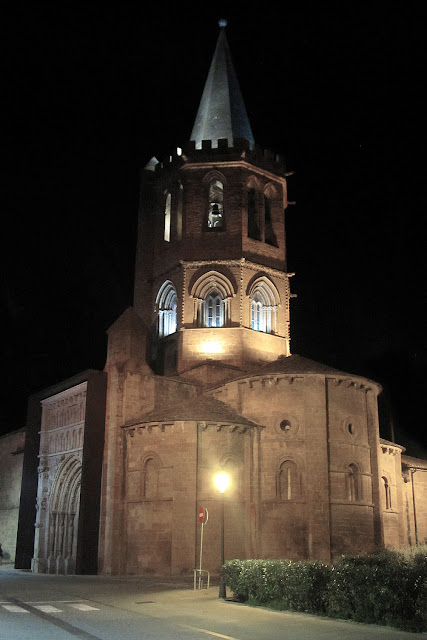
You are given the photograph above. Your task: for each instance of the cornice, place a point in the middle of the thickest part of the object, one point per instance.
(243, 164)
(240, 263)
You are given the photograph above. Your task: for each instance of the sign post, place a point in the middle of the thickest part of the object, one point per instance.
(203, 518)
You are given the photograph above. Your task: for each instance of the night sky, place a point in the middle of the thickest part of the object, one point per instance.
(91, 94)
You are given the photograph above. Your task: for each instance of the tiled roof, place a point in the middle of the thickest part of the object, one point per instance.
(296, 364)
(292, 365)
(200, 408)
(418, 463)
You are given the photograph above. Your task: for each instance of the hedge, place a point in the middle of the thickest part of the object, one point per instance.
(384, 588)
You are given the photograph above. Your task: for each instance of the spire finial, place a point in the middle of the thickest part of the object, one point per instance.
(222, 23)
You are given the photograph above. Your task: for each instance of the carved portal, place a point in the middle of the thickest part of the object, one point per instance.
(63, 517)
(60, 471)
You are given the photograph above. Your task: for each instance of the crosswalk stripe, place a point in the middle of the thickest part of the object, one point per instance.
(83, 607)
(14, 608)
(46, 608)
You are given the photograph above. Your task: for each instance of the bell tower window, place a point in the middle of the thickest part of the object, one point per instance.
(167, 218)
(166, 304)
(264, 302)
(216, 205)
(214, 310)
(257, 315)
(253, 215)
(270, 236)
(179, 212)
(211, 293)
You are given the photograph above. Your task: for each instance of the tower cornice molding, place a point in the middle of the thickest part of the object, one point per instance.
(242, 164)
(241, 263)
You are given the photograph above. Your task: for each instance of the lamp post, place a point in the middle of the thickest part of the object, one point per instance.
(222, 480)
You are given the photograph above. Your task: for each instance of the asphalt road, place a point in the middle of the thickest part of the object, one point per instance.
(47, 607)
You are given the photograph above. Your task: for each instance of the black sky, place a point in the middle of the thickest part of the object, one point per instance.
(92, 93)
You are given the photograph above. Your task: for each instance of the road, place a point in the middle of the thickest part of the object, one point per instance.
(48, 607)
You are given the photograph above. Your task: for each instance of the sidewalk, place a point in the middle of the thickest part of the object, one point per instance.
(174, 601)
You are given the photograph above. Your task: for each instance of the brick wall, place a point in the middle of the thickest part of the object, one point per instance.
(169, 475)
(318, 427)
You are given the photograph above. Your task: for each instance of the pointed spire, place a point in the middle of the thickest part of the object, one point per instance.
(222, 112)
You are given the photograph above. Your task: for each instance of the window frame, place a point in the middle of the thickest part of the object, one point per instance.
(167, 308)
(291, 489)
(354, 493)
(167, 218)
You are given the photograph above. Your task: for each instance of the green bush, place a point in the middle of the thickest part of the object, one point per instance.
(382, 588)
(386, 587)
(299, 586)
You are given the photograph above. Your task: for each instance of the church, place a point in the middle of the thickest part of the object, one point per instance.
(200, 378)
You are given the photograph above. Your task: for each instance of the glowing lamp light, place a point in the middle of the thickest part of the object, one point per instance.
(211, 347)
(222, 480)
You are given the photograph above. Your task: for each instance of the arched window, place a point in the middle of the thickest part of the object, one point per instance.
(386, 493)
(353, 483)
(212, 292)
(264, 301)
(216, 205)
(253, 215)
(214, 310)
(260, 315)
(289, 480)
(167, 218)
(257, 316)
(270, 236)
(151, 474)
(166, 302)
(179, 212)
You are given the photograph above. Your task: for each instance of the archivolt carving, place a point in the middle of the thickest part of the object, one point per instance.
(212, 281)
(214, 175)
(66, 483)
(151, 455)
(270, 190)
(63, 515)
(266, 289)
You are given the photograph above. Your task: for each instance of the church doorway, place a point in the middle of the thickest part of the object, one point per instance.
(63, 517)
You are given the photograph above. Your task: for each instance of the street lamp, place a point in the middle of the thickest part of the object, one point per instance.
(222, 480)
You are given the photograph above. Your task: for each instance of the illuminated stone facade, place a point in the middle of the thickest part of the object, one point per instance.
(61, 479)
(60, 471)
(200, 378)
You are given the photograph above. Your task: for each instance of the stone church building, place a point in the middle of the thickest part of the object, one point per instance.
(199, 378)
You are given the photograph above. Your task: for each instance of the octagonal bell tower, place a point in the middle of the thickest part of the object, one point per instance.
(211, 281)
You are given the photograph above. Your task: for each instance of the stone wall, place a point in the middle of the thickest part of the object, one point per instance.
(414, 501)
(169, 475)
(316, 462)
(391, 497)
(11, 459)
